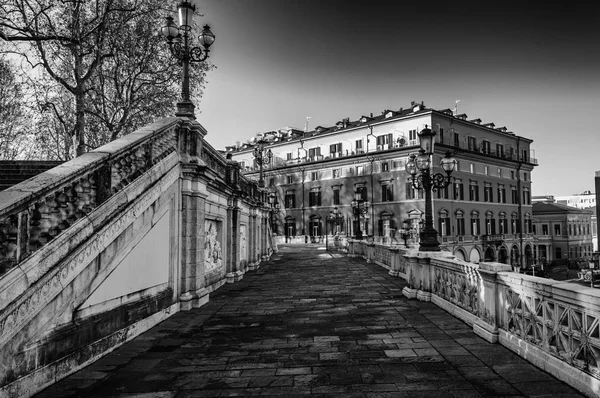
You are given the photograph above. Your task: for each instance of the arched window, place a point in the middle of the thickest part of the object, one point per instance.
(490, 223)
(502, 226)
(460, 223)
(515, 224)
(475, 229)
(444, 223)
(314, 225)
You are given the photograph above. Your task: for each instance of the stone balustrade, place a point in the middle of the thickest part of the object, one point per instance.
(101, 248)
(553, 324)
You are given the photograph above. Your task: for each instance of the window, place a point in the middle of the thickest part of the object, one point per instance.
(514, 195)
(544, 229)
(360, 170)
(485, 147)
(501, 194)
(442, 193)
(475, 223)
(289, 156)
(524, 157)
(363, 193)
(335, 150)
(526, 196)
(458, 190)
(444, 223)
(385, 166)
(410, 191)
(486, 170)
(290, 199)
(387, 192)
(336, 196)
(290, 179)
(335, 173)
(472, 143)
(314, 197)
(524, 176)
(471, 168)
(460, 223)
(383, 141)
(412, 135)
(441, 134)
(314, 175)
(512, 174)
(456, 139)
(272, 182)
(473, 191)
(515, 225)
(502, 223)
(557, 253)
(313, 152)
(359, 146)
(490, 224)
(500, 172)
(528, 224)
(487, 193)
(500, 150)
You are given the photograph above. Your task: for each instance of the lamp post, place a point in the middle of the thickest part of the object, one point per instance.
(335, 217)
(262, 158)
(359, 206)
(181, 46)
(274, 209)
(419, 168)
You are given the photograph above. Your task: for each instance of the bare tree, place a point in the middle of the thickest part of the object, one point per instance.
(13, 117)
(67, 38)
(105, 70)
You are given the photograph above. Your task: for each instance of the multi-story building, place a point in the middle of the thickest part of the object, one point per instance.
(485, 213)
(563, 234)
(583, 200)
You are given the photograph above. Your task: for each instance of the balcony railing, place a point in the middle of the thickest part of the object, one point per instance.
(495, 239)
(504, 154)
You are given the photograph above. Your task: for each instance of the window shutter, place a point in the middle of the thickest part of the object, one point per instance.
(380, 226)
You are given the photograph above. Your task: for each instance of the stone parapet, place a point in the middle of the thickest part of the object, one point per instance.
(553, 324)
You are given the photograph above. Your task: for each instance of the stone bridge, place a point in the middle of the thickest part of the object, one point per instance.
(99, 249)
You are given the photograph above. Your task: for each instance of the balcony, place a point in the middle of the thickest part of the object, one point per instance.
(496, 239)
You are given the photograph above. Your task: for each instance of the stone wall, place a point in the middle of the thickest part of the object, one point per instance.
(101, 248)
(553, 324)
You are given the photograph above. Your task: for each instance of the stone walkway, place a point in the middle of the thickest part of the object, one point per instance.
(311, 322)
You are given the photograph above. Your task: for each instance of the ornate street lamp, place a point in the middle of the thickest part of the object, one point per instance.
(419, 168)
(274, 209)
(359, 206)
(181, 46)
(262, 158)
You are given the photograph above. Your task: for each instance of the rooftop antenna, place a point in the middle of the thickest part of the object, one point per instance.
(456, 107)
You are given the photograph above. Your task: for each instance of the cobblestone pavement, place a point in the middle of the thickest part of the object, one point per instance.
(311, 322)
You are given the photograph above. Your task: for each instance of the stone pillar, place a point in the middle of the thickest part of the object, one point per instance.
(193, 198)
(233, 245)
(486, 325)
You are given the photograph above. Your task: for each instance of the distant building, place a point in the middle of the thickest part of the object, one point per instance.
(484, 215)
(583, 200)
(543, 199)
(563, 234)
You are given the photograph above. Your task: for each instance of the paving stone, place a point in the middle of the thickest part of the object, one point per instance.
(311, 323)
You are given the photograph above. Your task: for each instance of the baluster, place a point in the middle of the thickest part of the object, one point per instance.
(61, 199)
(35, 218)
(93, 190)
(54, 218)
(79, 200)
(115, 177)
(85, 195)
(45, 222)
(70, 205)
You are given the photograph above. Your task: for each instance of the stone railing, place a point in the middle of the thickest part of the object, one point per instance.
(553, 324)
(36, 211)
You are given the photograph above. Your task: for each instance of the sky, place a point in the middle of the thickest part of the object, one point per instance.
(533, 68)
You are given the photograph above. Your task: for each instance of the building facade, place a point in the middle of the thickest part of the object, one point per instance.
(484, 214)
(584, 200)
(563, 234)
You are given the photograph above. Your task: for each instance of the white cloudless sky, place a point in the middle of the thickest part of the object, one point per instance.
(533, 68)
